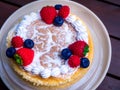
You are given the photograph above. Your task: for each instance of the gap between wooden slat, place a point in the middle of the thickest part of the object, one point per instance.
(108, 2)
(7, 2)
(113, 76)
(114, 37)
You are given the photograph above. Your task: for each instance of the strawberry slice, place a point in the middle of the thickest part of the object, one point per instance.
(24, 56)
(79, 48)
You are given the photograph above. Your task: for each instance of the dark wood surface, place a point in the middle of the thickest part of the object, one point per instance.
(108, 11)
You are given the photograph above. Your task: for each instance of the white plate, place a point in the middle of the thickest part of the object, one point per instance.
(102, 47)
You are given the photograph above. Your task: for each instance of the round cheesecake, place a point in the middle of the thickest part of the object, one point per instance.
(48, 68)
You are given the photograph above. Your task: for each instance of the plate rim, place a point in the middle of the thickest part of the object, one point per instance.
(105, 31)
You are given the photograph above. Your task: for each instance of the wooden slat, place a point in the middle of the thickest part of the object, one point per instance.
(109, 84)
(6, 11)
(104, 11)
(19, 2)
(109, 14)
(115, 61)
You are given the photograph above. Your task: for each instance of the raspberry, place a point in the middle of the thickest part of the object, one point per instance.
(64, 11)
(77, 48)
(74, 61)
(48, 14)
(17, 41)
(25, 56)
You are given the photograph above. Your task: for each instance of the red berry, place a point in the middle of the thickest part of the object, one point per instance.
(77, 48)
(74, 61)
(48, 14)
(64, 11)
(26, 55)
(17, 41)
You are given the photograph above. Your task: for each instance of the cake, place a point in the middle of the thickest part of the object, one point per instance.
(51, 47)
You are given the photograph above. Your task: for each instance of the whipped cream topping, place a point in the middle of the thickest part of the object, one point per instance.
(46, 73)
(27, 20)
(37, 70)
(64, 69)
(71, 18)
(28, 68)
(79, 27)
(55, 72)
(35, 67)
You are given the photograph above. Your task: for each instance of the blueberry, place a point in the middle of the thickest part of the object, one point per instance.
(10, 52)
(58, 21)
(28, 43)
(58, 6)
(84, 62)
(66, 53)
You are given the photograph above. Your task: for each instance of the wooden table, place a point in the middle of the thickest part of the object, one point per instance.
(108, 11)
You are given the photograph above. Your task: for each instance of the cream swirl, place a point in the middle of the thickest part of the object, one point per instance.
(79, 27)
(55, 72)
(45, 73)
(71, 18)
(28, 68)
(83, 36)
(64, 69)
(35, 16)
(20, 32)
(37, 70)
(27, 19)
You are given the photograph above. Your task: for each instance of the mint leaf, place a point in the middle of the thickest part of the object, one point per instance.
(18, 59)
(86, 50)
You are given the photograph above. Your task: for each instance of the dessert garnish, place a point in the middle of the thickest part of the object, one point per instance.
(84, 62)
(58, 6)
(64, 11)
(54, 15)
(58, 21)
(66, 53)
(17, 41)
(24, 56)
(10, 52)
(78, 48)
(21, 51)
(48, 13)
(28, 43)
(74, 61)
(75, 54)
